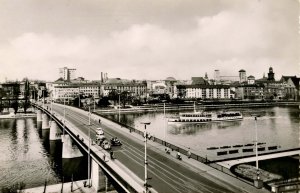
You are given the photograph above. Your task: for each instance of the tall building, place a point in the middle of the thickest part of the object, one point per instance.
(217, 75)
(271, 74)
(242, 75)
(67, 73)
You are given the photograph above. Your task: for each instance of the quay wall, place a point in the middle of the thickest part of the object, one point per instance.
(176, 107)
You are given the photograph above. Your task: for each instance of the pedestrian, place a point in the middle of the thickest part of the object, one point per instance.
(111, 155)
(99, 121)
(189, 154)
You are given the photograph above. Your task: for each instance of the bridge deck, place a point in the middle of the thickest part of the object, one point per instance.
(230, 163)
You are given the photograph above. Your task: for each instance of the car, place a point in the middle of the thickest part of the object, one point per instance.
(115, 141)
(105, 145)
(99, 131)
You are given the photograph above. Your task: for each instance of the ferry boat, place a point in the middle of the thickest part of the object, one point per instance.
(204, 117)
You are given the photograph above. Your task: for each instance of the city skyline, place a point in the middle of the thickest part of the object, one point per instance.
(148, 40)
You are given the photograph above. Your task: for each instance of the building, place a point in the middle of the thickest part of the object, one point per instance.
(217, 76)
(251, 79)
(67, 73)
(242, 75)
(65, 90)
(137, 89)
(250, 92)
(292, 87)
(203, 91)
(271, 74)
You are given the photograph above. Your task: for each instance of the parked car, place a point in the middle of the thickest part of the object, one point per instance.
(105, 145)
(115, 141)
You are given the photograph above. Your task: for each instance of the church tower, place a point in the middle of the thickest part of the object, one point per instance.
(271, 74)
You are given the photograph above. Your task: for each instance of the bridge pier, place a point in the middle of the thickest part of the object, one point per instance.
(45, 121)
(98, 178)
(69, 150)
(38, 115)
(55, 133)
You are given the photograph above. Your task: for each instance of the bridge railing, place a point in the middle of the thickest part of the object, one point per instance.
(121, 181)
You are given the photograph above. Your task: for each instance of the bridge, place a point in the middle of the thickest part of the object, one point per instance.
(165, 172)
(232, 162)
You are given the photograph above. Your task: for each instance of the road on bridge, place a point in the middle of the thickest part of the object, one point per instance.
(167, 173)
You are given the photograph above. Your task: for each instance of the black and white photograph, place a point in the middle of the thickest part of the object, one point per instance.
(149, 96)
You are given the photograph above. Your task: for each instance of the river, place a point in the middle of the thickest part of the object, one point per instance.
(276, 126)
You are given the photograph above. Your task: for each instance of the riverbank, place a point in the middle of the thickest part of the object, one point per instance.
(178, 107)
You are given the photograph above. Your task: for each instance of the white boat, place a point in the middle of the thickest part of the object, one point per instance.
(204, 117)
(12, 115)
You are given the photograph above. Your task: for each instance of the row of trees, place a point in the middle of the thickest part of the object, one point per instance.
(10, 96)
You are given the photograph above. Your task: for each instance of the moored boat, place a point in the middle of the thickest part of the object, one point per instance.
(204, 117)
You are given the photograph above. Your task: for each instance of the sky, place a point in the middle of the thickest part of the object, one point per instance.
(149, 39)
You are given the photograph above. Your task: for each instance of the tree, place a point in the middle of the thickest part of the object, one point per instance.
(2, 94)
(103, 102)
(113, 95)
(15, 96)
(26, 95)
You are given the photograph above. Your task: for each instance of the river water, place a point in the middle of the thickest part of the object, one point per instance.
(276, 126)
(27, 156)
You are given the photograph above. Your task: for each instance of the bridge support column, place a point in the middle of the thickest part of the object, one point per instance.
(69, 150)
(98, 179)
(38, 115)
(55, 133)
(45, 123)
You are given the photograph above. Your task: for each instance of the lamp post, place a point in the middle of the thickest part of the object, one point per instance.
(64, 115)
(256, 148)
(119, 106)
(165, 123)
(146, 162)
(89, 150)
(79, 100)
(94, 103)
(258, 183)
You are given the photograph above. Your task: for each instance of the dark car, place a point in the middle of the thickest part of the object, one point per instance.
(115, 141)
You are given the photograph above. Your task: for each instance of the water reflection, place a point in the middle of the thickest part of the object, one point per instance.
(28, 156)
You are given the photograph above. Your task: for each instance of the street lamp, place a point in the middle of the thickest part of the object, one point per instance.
(89, 150)
(258, 182)
(64, 115)
(256, 148)
(119, 93)
(165, 123)
(146, 162)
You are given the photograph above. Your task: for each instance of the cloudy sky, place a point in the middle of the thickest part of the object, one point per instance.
(149, 39)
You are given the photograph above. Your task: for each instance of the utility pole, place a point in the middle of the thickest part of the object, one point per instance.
(146, 161)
